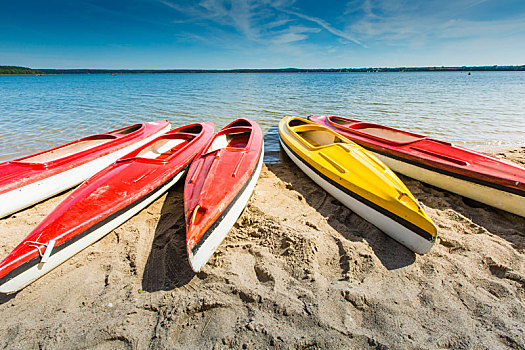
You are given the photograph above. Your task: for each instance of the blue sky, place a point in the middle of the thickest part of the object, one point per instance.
(217, 34)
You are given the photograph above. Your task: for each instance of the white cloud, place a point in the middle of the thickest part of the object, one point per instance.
(326, 26)
(238, 14)
(294, 33)
(262, 21)
(289, 38)
(246, 16)
(458, 28)
(405, 22)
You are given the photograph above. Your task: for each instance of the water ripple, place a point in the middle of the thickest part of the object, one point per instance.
(484, 109)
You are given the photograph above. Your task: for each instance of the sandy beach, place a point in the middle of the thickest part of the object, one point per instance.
(297, 271)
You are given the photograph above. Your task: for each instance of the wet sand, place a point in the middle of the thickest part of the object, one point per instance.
(298, 270)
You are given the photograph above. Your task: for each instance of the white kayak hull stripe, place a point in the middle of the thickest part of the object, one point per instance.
(511, 202)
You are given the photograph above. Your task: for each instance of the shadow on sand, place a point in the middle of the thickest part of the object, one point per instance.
(392, 254)
(506, 225)
(4, 298)
(167, 266)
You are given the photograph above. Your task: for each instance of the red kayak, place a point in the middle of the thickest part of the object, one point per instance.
(456, 169)
(218, 186)
(31, 179)
(102, 203)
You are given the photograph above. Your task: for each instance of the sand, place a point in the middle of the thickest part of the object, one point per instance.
(298, 271)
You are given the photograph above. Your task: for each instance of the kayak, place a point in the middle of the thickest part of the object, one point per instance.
(358, 180)
(31, 179)
(218, 186)
(471, 174)
(102, 203)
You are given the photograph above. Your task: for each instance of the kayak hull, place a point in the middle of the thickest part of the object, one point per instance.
(35, 187)
(383, 222)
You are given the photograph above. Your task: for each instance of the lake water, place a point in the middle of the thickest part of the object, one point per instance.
(485, 109)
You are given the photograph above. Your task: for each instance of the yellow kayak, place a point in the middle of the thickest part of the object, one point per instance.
(358, 180)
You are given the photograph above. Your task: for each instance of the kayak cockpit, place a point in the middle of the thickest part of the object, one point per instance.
(319, 138)
(239, 123)
(376, 132)
(78, 146)
(167, 145)
(127, 130)
(235, 138)
(314, 135)
(342, 121)
(232, 138)
(392, 135)
(162, 148)
(67, 150)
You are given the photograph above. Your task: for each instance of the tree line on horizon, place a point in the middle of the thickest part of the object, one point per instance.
(25, 70)
(16, 70)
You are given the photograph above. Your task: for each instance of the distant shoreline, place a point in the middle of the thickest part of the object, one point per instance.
(24, 70)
